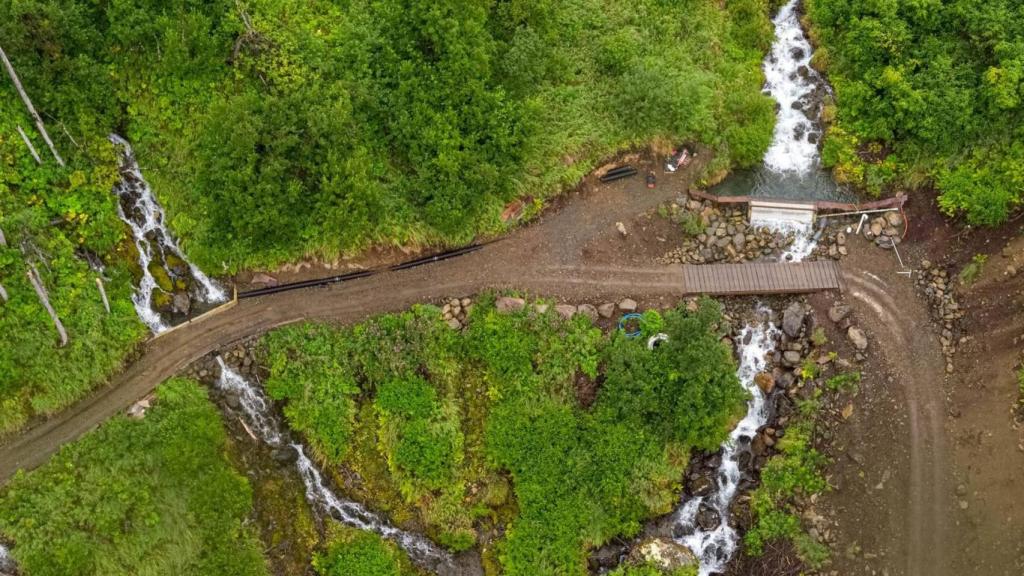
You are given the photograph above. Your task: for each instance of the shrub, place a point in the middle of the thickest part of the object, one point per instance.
(970, 273)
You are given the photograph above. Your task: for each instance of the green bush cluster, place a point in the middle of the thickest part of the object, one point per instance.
(927, 92)
(352, 552)
(443, 417)
(276, 129)
(155, 496)
(795, 473)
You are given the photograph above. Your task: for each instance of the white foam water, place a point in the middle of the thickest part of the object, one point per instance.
(6, 562)
(259, 418)
(714, 548)
(791, 81)
(146, 220)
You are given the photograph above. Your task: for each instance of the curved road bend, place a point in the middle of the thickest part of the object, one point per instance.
(544, 258)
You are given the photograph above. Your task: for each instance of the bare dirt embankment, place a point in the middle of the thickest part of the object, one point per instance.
(931, 479)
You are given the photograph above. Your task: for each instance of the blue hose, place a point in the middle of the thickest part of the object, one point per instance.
(631, 316)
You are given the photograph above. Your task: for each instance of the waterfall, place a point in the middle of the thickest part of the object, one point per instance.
(261, 420)
(137, 207)
(716, 547)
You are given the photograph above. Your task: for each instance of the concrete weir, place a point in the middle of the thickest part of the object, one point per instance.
(782, 211)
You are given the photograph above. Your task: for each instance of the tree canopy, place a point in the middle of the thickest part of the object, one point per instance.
(927, 91)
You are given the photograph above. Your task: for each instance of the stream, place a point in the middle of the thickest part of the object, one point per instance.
(791, 168)
(792, 165)
(263, 423)
(715, 548)
(158, 252)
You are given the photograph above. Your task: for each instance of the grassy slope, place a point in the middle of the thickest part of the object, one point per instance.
(137, 497)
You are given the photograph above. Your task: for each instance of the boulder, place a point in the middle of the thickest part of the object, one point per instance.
(588, 310)
(663, 553)
(793, 319)
(765, 381)
(454, 324)
(838, 312)
(702, 485)
(284, 455)
(181, 304)
(858, 338)
(606, 310)
(264, 278)
(791, 357)
(708, 518)
(893, 219)
(507, 304)
(628, 305)
(565, 310)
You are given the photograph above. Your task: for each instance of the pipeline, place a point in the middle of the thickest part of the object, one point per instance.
(436, 258)
(618, 170)
(305, 284)
(360, 274)
(619, 176)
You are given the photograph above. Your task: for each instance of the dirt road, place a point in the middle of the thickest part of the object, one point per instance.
(544, 258)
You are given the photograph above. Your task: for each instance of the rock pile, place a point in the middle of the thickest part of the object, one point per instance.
(510, 304)
(885, 230)
(934, 281)
(719, 233)
(455, 311)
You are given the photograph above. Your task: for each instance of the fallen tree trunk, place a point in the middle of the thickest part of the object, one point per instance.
(28, 143)
(31, 109)
(3, 293)
(44, 298)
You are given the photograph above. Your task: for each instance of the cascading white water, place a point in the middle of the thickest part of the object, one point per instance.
(715, 548)
(145, 217)
(793, 154)
(6, 562)
(791, 81)
(257, 411)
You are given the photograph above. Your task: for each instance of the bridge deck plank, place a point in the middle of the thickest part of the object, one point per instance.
(762, 278)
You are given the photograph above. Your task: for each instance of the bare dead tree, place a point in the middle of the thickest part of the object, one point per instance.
(28, 143)
(31, 109)
(44, 298)
(103, 294)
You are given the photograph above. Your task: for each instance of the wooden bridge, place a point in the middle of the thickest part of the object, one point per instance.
(762, 278)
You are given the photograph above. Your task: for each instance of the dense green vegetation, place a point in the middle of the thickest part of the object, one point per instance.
(434, 422)
(927, 91)
(155, 496)
(51, 217)
(352, 552)
(273, 129)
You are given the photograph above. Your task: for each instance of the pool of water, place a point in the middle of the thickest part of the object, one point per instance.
(815, 184)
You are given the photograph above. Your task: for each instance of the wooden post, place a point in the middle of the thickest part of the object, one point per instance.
(33, 277)
(28, 143)
(31, 109)
(103, 294)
